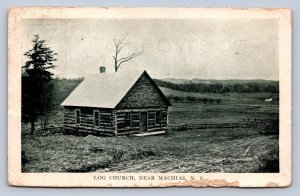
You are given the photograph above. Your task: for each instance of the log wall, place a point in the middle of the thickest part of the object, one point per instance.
(106, 121)
(135, 120)
(143, 94)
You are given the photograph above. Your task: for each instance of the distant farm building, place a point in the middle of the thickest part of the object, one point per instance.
(116, 104)
(268, 99)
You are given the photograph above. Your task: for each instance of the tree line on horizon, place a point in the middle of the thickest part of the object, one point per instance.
(222, 87)
(192, 99)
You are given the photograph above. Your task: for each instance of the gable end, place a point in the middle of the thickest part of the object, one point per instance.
(144, 93)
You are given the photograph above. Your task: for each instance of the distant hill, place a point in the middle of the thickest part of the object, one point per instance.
(220, 86)
(230, 98)
(176, 80)
(175, 93)
(201, 81)
(196, 80)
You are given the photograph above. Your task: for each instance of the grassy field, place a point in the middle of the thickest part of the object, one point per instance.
(227, 98)
(181, 113)
(250, 150)
(230, 150)
(234, 107)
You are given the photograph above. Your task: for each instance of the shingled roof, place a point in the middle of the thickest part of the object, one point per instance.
(104, 90)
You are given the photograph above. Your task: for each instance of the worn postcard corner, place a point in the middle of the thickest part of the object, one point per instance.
(149, 97)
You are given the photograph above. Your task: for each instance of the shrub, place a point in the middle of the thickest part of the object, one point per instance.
(269, 128)
(269, 163)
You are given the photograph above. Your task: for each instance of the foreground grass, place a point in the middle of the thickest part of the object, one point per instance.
(226, 150)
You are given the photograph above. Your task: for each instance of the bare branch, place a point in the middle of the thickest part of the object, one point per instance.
(115, 42)
(125, 58)
(128, 58)
(119, 45)
(119, 49)
(121, 40)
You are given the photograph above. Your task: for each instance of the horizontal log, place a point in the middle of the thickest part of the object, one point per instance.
(88, 123)
(135, 116)
(91, 124)
(92, 118)
(135, 120)
(135, 124)
(106, 113)
(127, 130)
(106, 124)
(155, 125)
(89, 119)
(127, 133)
(106, 120)
(69, 119)
(86, 115)
(120, 114)
(89, 128)
(70, 130)
(90, 112)
(141, 109)
(156, 129)
(135, 113)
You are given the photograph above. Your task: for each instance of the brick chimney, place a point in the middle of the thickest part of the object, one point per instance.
(102, 69)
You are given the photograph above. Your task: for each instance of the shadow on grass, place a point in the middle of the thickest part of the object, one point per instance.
(269, 163)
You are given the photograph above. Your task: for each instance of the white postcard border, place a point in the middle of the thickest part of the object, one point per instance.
(17, 178)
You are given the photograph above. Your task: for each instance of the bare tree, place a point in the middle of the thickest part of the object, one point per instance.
(119, 45)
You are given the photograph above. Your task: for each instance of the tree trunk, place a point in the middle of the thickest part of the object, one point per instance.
(116, 66)
(42, 126)
(45, 122)
(32, 127)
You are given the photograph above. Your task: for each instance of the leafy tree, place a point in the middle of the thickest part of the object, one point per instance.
(37, 81)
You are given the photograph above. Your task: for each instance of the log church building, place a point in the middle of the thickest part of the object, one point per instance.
(121, 103)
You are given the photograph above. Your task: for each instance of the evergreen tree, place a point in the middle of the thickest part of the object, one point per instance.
(37, 81)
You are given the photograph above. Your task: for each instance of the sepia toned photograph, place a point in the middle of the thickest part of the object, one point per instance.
(142, 96)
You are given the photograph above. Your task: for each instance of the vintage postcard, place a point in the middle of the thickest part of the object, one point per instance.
(149, 97)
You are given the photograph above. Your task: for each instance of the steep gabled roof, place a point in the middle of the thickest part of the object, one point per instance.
(105, 90)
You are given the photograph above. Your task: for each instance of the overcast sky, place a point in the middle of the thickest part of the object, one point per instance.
(181, 48)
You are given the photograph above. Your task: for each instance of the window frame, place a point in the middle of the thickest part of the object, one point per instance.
(78, 117)
(127, 119)
(94, 118)
(156, 117)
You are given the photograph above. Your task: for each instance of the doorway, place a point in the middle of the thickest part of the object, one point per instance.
(144, 122)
